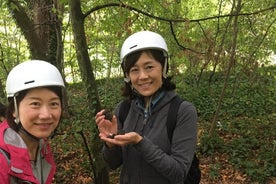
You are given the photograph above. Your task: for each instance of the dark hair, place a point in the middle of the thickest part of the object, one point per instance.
(132, 58)
(19, 98)
(3, 109)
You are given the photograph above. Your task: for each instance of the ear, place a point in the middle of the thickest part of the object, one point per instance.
(127, 78)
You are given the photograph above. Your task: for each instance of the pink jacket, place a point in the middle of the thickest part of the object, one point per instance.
(20, 165)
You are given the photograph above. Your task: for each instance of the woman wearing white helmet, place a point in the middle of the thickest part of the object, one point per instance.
(145, 151)
(34, 91)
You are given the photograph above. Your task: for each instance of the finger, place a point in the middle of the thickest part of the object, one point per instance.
(99, 114)
(101, 126)
(104, 137)
(99, 120)
(114, 119)
(121, 138)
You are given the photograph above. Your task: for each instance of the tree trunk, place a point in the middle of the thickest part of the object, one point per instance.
(77, 20)
(230, 65)
(37, 23)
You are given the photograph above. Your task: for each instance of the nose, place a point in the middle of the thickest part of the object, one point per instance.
(45, 113)
(143, 74)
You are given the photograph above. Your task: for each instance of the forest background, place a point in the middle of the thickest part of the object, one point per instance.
(222, 57)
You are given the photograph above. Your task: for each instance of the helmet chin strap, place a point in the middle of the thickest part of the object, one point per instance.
(165, 68)
(24, 131)
(16, 120)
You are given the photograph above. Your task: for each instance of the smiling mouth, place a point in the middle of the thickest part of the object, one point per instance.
(146, 84)
(144, 87)
(44, 125)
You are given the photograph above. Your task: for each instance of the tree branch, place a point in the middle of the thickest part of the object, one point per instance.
(171, 21)
(181, 46)
(131, 8)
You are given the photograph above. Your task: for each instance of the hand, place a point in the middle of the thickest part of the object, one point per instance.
(105, 126)
(122, 140)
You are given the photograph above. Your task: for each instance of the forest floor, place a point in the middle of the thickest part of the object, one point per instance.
(227, 174)
(215, 169)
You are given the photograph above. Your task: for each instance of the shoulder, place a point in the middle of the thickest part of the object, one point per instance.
(123, 106)
(3, 127)
(185, 108)
(186, 105)
(173, 98)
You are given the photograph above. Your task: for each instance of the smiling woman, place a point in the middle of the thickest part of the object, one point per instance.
(144, 152)
(34, 91)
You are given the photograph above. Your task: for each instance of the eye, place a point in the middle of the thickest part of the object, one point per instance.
(35, 104)
(55, 104)
(133, 70)
(149, 67)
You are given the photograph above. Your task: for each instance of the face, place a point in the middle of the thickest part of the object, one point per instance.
(146, 75)
(40, 112)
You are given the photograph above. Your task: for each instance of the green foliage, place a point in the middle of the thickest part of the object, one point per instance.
(214, 171)
(252, 150)
(248, 143)
(244, 95)
(209, 145)
(69, 137)
(200, 96)
(13, 46)
(110, 92)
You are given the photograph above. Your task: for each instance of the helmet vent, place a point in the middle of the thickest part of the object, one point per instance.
(133, 46)
(32, 81)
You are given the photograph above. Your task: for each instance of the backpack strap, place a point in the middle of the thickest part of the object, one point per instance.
(6, 155)
(194, 173)
(172, 115)
(124, 108)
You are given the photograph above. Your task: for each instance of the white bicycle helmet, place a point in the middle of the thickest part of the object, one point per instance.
(32, 74)
(143, 40)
